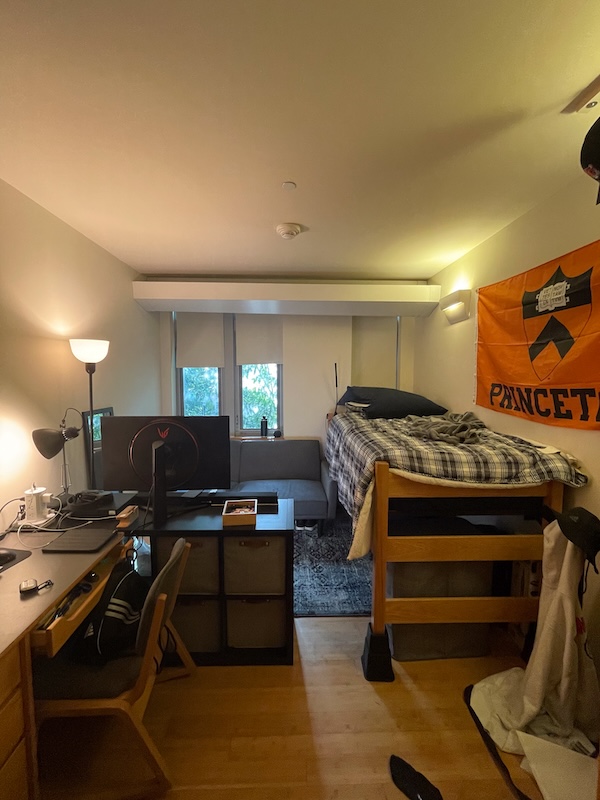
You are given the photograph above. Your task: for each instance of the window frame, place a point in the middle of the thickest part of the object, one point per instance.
(239, 429)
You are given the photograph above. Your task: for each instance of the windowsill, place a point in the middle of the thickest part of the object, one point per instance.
(248, 438)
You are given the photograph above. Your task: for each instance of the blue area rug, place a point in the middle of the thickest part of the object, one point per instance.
(326, 584)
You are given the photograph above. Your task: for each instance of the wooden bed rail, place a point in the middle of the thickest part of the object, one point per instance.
(388, 549)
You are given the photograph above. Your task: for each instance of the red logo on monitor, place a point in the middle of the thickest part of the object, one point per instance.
(163, 433)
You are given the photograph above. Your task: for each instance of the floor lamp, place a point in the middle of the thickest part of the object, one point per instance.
(90, 351)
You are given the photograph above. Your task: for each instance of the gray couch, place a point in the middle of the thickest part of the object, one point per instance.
(294, 468)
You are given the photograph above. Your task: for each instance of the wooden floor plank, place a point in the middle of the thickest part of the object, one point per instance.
(315, 730)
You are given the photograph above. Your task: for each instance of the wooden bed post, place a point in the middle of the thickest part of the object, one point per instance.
(377, 657)
(381, 493)
(554, 496)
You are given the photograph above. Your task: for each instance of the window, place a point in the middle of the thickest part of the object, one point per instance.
(230, 364)
(259, 395)
(200, 391)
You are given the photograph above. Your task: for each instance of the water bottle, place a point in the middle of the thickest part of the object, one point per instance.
(264, 426)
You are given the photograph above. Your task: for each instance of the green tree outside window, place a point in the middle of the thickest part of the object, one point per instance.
(200, 391)
(259, 395)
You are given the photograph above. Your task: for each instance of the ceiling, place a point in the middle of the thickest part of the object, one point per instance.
(414, 130)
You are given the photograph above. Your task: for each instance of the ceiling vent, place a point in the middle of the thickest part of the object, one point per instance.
(288, 230)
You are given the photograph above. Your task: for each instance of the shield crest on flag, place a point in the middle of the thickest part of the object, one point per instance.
(554, 316)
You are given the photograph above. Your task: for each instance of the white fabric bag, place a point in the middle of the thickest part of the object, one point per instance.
(557, 696)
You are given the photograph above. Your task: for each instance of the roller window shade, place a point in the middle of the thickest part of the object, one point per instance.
(258, 339)
(199, 340)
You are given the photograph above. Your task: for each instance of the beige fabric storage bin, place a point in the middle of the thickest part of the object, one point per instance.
(201, 574)
(421, 641)
(198, 623)
(256, 623)
(254, 564)
(411, 642)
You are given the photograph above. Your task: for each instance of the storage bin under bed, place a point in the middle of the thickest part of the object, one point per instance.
(423, 641)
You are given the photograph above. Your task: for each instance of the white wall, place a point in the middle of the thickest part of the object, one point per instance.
(56, 284)
(445, 355)
(311, 348)
(374, 351)
(369, 351)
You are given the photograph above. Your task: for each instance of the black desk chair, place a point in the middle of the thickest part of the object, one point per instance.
(122, 687)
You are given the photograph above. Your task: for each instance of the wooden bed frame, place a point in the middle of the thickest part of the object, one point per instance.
(388, 549)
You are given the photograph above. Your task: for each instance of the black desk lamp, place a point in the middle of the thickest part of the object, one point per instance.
(90, 351)
(50, 442)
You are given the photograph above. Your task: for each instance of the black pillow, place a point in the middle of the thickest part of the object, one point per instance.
(390, 403)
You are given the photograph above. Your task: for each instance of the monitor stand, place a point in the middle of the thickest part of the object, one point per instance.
(159, 483)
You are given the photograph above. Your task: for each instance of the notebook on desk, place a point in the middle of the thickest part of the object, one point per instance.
(80, 541)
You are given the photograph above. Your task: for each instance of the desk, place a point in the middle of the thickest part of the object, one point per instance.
(235, 604)
(20, 617)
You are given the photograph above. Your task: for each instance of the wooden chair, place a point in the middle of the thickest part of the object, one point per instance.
(122, 687)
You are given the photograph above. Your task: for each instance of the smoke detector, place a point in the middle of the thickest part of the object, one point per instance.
(288, 230)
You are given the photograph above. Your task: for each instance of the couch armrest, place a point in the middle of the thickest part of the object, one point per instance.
(330, 487)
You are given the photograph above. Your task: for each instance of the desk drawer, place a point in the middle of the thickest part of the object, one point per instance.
(12, 726)
(13, 776)
(49, 641)
(10, 673)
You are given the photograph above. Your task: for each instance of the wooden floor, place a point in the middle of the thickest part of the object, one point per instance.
(316, 730)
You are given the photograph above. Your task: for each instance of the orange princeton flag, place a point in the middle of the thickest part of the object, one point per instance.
(538, 342)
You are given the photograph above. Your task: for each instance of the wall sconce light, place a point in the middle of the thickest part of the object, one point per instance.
(90, 351)
(456, 306)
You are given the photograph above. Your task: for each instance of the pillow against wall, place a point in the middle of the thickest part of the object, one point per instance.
(390, 403)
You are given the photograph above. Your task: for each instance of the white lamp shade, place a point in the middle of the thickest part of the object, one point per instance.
(456, 306)
(90, 351)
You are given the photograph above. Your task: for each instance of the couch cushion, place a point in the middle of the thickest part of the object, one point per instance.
(310, 500)
(235, 448)
(281, 459)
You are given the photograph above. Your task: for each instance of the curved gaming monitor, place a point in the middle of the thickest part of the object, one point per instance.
(160, 454)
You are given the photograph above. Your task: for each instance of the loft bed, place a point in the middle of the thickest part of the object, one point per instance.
(445, 465)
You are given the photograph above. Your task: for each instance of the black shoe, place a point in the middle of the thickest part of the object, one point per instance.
(311, 525)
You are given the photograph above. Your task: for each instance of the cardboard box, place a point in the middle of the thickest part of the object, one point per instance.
(238, 513)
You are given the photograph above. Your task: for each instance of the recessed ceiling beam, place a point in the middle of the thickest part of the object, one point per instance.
(334, 299)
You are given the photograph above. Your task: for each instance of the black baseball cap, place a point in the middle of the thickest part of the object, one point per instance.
(582, 528)
(590, 154)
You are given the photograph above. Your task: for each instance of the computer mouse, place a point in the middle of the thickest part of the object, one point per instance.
(6, 556)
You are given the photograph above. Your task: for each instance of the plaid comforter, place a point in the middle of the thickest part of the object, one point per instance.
(449, 449)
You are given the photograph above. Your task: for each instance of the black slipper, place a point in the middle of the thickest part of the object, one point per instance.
(414, 785)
